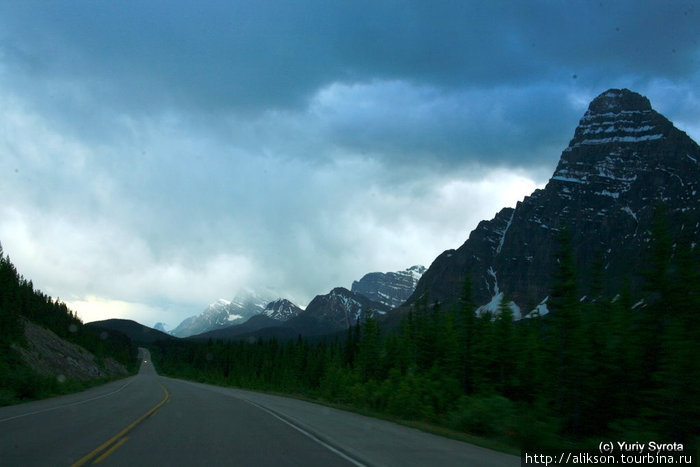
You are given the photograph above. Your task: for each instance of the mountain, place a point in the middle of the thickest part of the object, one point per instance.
(274, 315)
(624, 160)
(138, 333)
(223, 313)
(162, 327)
(281, 310)
(326, 315)
(390, 288)
(335, 311)
(239, 331)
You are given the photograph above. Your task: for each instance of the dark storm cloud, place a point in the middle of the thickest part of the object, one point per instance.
(478, 81)
(277, 54)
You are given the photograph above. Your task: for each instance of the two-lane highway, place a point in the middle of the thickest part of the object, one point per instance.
(151, 420)
(61, 430)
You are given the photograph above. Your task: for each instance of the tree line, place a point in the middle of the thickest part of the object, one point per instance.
(609, 366)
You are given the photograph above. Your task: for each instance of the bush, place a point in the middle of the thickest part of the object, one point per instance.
(536, 428)
(490, 415)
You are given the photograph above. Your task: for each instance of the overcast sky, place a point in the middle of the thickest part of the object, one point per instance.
(156, 156)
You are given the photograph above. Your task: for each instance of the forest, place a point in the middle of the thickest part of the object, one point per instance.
(609, 366)
(20, 301)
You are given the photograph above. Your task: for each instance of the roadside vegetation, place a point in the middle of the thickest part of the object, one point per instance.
(19, 301)
(607, 367)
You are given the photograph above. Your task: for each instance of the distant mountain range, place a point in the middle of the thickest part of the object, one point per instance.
(624, 160)
(224, 313)
(337, 310)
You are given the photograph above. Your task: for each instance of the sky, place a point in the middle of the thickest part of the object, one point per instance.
(157, 156)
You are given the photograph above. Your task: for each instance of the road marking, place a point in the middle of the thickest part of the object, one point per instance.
(67, 405)
(111, 450)
(109, 446)
(308, 434)
(289, 422)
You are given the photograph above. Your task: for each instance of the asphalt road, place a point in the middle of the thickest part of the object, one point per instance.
(149, 420)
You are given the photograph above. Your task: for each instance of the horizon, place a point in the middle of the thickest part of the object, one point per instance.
(294, 149)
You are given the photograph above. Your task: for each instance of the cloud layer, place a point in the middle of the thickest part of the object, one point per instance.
(156, 157)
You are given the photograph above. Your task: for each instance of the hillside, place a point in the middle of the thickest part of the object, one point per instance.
(138, 333)
(46, 350)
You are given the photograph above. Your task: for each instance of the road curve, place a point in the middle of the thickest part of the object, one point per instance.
(149, 420)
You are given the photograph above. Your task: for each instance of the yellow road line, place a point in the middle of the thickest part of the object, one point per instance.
(110, 450)
(120, 436)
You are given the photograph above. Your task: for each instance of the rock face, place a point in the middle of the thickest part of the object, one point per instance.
(390, 288)
(336, 311)
(224, 313)
(49, 355)
(623, 161)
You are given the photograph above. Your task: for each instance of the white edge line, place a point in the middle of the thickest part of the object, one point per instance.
(282, 419)
(66, 405)
(308, 434)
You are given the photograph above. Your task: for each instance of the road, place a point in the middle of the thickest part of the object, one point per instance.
(148, 420)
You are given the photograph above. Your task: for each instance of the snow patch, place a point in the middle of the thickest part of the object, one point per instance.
(568, 179)
(631, 213)
(503, 233)
(619, 139)
(608, 193)
(540, 310)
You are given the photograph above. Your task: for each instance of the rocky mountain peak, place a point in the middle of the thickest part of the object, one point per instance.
(223, 313)
(619, 116)
(624, 160)
(281, 310)
(340, 309)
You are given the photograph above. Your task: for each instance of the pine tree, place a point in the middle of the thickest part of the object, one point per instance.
(676, 398)
(505, 348)
(466, 321)
(568, 344)
(369, 348)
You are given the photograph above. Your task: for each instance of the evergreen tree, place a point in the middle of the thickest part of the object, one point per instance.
(567, 338)
(466, 321)
(369, 349)
(505, 348)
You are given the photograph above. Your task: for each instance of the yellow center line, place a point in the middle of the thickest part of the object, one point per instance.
(109, 451)
(109, 445)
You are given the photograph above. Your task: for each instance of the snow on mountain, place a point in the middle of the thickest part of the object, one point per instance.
(339, 309)
(224, 313)
(281, 310)
(624, 160)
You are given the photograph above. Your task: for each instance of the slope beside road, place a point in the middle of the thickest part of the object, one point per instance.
(152, 420)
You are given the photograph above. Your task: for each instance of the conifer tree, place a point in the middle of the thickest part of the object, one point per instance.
(567, 339)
